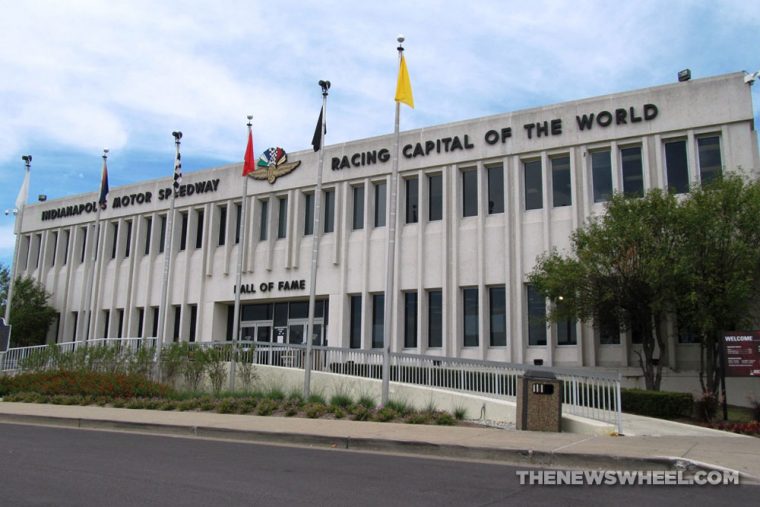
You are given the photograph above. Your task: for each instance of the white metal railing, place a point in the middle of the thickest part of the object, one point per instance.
(13, 358)
(586, 392)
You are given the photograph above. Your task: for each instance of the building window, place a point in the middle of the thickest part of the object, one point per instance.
(66, 238)
(380, 204)
(193, 321)
(140, 321)
(114, 238)
(435, 319)
(685, 334)
(55, 248)
(183, 232)
(412, 200)
(308, 214)
(633, 179)
(154, 331)
(497, 308)
(84, 244)
(601, 174)
(710, 163)
(264, 222)
(177, 321)
(410, 319)
(329, 196)
(566, 334)
(148, 229)
(470, 316)
(120, 330)
(435, 197)
(469, 193)
(128, 238)
(534, 198)
(38, 243)
(238, 221)
(222, 239)
(106, 322)
(609, 330)
(358, 215)
(677, 166)
(495, 189)
(162, 238)
(199, 215)
(562, 192)
(536, 317)
(282, 217)
(75, 316)
(355, 333)
(378, 306)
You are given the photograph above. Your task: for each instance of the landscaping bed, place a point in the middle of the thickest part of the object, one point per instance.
(135, 392)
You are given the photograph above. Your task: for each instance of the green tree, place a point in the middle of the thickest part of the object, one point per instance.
(5, 278)
(722, 257)
(622, 268)
(31, 315)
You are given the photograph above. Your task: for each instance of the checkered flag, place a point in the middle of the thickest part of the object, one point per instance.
(177, 172)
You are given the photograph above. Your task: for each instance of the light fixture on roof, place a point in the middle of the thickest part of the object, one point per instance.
(684, 75)
(749, 78)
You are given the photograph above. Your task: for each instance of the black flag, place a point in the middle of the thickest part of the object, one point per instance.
(316, 141)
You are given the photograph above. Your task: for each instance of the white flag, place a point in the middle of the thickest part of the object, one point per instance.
(23, 194)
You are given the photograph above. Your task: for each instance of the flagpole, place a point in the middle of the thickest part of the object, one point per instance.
(19, 219)
(168, 244)
(239, 271)
(315, 243)
(86, 319)
(391, 254)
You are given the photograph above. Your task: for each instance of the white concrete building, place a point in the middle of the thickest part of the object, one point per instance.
(478, 201)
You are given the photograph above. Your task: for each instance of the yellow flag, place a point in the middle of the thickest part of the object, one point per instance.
(404, 86)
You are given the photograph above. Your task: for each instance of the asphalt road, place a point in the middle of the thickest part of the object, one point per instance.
(56, 466)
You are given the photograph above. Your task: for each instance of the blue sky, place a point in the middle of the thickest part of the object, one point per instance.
(79, 76)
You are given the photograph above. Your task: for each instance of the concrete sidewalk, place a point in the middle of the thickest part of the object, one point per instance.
(703, 450)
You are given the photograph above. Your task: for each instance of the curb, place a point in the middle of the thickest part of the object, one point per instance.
(527, 457)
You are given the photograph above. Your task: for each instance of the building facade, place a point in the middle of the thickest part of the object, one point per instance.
(478, 201)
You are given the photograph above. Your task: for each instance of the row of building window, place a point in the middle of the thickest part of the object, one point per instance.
(497, 319)
(106, 331)
(630, 158)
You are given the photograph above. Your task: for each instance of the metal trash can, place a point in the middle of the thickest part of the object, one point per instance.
(539, 401)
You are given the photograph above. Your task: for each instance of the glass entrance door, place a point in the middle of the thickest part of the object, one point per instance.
(258, 331)
(297, 329)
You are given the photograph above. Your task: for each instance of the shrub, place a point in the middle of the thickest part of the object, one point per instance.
(216, 367)
(338, 412)
(194, 367)
(400, 406)
(172, 359)
(361, 413)
(228, 406)
(746, 428)
(316, 398)
(460, 413)
(366, 401)
(341, 400)
(706, 406)
(755, 404)
(444, 419)
(246, 371)
(418, 418)
(84, 383)
(267, 406)
(275, 393)
(315, 410)
(386, 414)
(662, 404)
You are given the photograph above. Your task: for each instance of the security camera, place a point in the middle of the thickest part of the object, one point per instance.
(26, 158)
(749, 78)
(177, 135)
